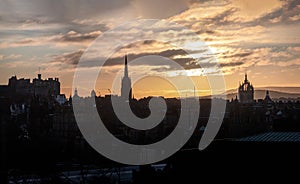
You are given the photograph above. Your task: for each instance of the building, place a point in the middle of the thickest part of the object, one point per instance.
(246, 92)
(76, 96)
(25, 88)
(268, 99)
(126, 91)
(93, 94)
(47, 87)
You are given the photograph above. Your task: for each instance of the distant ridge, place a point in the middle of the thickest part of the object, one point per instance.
(260, 94)
(276, 93)
(295, 90)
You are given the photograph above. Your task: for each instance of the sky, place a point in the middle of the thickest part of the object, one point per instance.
(259, 37)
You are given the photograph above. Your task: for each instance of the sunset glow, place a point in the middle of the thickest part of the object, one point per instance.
(261, 38)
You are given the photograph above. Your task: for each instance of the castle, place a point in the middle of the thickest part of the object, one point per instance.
(25, 88)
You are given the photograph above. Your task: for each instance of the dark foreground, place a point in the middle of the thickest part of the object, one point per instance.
(223, 161)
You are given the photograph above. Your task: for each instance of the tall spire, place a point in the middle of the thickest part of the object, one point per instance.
(126, 83)
(246, 77)
(126, 67)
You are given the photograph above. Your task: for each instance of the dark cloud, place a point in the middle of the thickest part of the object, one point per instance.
(237, 55)
(68, 10)
(61, 10)
(25, 41)
(73, 36)
(210, 32)
(186, 62)
(282, 15)
(231, 64)
(165, 53)
(222, 18)
(69, 58)
(158, 9)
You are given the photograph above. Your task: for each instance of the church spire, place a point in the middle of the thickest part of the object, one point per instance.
(126, 67)
(246, 77)
(126, 83)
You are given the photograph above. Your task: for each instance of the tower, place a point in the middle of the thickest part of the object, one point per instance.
(126, 92)
(267, 97)
(76, 96)
(93, 94)
(246, 91)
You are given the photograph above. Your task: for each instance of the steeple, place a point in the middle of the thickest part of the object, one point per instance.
(126, 83)
(246, 77)
(126, 67)
(268, 98)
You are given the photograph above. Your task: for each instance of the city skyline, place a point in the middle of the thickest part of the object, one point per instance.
(260, 38)
(32, 87)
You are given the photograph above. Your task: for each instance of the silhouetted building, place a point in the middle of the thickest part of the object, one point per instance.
(268, 99)
(93, 94)
(126, 83)
(76, 96)
(38, 87)
(246, 92)
(47, 87)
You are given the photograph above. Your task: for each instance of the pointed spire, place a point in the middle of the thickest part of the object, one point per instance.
(246, 77)
(126, 67)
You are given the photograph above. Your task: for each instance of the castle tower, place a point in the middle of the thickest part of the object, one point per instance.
(126, 83)
(246, 91)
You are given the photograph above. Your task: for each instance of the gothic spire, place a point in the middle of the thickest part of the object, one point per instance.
(126, 67)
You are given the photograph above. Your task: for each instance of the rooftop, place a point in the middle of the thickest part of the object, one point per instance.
(273, 137)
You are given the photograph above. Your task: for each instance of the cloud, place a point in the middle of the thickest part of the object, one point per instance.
(286, 14)
(177, 55)
(65, 40)
(73, 36)
(157, 9)
(13, 56)
(80, 11)
(231, 64)
(68, 58)
(60, 10)
(238, 55)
